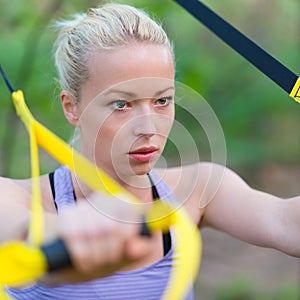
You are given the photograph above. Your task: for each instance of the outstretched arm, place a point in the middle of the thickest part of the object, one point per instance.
(14, 211)
(253, 216)
(98, 244)
(101, 236)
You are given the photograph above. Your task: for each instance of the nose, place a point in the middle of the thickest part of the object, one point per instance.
(144, 123)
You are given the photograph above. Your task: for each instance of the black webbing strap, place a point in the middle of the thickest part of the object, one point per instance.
(267, 64)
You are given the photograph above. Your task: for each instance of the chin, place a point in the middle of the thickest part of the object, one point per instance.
(141, 168)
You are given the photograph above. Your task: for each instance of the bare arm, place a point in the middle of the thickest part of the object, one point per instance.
(289, 235)
(14, 211)
(101, 239)
(253, 216)
(98, 245)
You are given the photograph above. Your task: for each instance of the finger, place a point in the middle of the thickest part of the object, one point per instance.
(73, 233)
(104, 244)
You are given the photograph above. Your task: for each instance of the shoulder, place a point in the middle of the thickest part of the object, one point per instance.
(196, 185)
(195, 178)
(13, 196)
(187, 184)
(25, 186)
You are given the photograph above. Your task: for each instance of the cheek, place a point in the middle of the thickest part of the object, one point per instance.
(95, 125)
(106, 134)
(111, 137)
(103, 152)
(165, 123)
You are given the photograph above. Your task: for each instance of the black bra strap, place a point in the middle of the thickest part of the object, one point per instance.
(167, 241)
(155, 194)
(51, 179)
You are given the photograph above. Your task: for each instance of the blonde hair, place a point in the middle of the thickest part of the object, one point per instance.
(106, 27)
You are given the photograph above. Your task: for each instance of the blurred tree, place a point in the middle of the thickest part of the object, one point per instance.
(260, 123)
(25, 67)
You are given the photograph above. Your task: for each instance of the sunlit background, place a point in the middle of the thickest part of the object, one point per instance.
(260, 122)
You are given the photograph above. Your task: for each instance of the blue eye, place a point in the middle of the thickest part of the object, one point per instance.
(119, 104)
(164, 101)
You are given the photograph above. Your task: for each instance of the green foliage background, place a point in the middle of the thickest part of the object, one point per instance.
(259, 120)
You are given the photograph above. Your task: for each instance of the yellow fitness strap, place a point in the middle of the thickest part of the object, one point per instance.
(187, 246)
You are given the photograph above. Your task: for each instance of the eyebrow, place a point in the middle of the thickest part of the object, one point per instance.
(129, 94)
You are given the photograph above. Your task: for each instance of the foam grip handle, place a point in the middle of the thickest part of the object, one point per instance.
(57, 255)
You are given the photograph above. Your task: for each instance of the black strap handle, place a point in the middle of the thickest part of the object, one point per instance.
(266, 63)
(57, 256)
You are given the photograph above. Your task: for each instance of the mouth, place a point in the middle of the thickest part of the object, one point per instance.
(144, 154)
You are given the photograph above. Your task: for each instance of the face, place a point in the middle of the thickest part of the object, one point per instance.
(126, 108)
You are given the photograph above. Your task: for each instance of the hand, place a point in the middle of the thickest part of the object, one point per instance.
(102, 235)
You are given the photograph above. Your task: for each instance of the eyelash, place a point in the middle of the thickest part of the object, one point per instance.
(168, 100)
(115, 103)
(117, 108)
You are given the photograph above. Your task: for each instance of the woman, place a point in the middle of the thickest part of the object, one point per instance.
(116, 68)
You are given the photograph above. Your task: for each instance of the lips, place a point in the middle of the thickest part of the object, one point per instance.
(143, 154)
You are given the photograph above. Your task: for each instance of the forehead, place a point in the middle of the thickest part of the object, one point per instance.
(140, 88)
(131, 67)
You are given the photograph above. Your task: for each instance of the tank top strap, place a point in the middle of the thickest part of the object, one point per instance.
(164, 192)
(64, 192)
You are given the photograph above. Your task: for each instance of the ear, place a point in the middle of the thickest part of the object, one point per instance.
(69, 107)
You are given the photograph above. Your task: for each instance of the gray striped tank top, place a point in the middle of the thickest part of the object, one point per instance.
(147, 283)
